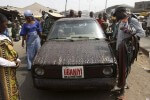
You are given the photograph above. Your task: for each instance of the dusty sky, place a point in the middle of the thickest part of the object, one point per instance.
(92, 5)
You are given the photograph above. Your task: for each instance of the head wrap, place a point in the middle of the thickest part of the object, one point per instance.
(28, 13)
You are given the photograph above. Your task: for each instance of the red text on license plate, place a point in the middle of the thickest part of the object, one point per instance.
(72, 72)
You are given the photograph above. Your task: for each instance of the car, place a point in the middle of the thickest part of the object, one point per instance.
(75, 55)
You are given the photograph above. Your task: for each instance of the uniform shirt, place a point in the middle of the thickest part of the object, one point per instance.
(48, 25)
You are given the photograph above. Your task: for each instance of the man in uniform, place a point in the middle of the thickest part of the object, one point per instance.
(47, 24)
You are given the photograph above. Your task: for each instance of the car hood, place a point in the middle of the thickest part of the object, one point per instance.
(74, 53)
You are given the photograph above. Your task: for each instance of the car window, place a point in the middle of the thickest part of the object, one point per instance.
(75, 29)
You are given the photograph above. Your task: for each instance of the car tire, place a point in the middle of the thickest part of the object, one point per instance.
(37, 85)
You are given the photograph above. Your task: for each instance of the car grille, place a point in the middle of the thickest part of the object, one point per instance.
(92, 71)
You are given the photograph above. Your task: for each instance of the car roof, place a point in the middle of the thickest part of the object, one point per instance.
(75, 19)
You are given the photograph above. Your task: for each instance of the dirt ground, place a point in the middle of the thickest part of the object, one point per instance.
(139, 80)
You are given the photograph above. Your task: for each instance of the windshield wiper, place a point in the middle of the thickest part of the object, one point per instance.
(66, 39)
(80, 37)
(94, 38)
(56, 38)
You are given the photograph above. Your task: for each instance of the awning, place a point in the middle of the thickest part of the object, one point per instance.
(55, 14)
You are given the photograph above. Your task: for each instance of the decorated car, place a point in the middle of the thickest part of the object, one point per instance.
(76, 55)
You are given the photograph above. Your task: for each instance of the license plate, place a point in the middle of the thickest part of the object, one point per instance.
(72, 72)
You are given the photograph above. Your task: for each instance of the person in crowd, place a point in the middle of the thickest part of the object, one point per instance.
(43, 15)
(91, 14)
(79, 13)
(128, 29)
(42, 19)
(71, 14)
(48, 22)
(100, 19)
(15, 30)
(31, 32)
(148, 26)
(9, 62)
(105, 18)
(105, 24)
(113, 23)
(6, 32)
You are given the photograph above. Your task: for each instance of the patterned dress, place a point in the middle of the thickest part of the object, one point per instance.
(8, 82)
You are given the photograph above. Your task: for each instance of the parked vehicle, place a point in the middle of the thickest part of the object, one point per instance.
(76, 55)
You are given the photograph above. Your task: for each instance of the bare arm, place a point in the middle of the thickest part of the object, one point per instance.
(23, 39)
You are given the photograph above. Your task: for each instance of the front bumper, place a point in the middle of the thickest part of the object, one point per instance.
(101, 83)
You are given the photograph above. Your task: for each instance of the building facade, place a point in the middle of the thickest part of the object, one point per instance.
(143, 5)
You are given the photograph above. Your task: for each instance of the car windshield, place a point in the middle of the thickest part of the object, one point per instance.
(76, 29)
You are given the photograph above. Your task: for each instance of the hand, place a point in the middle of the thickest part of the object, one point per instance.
(125, 30)
(23, 39)
(18, 62)
(23, 44)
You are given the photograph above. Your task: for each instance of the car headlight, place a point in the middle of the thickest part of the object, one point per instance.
(39, 71)
(107, 71)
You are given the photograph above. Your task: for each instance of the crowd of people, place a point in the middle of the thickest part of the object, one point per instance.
(122, 27)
